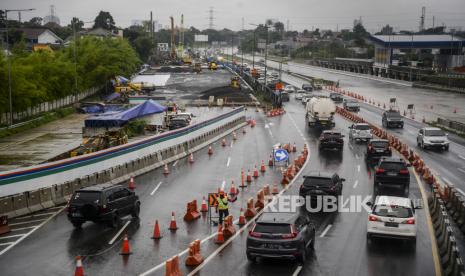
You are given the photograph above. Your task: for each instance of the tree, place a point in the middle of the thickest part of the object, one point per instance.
(316, 32)
(78, 24)
(359, 35)
(35, 21)
(278, 27)
(386, 30)
(104, 20)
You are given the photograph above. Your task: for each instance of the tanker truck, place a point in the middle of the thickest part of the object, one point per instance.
(320, 112)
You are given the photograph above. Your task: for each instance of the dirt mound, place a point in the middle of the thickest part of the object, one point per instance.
(232, 94)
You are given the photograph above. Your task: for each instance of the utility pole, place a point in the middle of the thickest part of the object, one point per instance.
(266, 52)
(10, 97)
(253, 51)
(75, 63)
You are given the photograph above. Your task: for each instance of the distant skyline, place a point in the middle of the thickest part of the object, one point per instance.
(302, 14)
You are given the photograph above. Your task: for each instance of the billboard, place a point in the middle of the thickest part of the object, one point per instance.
(201, 38)
(163, 47)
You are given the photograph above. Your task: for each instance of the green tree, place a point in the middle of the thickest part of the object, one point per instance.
(104, 20)
(78, 24)
(35, 21)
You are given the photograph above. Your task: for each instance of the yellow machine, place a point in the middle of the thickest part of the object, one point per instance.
(212, 65)
(187, 59)
(122, 85)
(235, 83)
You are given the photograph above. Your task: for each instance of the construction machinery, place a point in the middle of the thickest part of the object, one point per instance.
(212, 65)
(235, 82)
(123, 85)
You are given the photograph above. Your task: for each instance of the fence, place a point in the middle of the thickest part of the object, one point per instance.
(452, 125)
(46, 106)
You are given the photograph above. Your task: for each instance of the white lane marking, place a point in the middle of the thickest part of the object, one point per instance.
(11, 236)
(223, 184)
(22, 228)
(297, 271)
(37, 215)
(462, 157)
(358, 168)
(156, 188)
(119, 232)
(357, 156)
(298, 129)
(355, 184)
(351, 147)
(271, 133)
(460, 169)
(175, 163)
(6, 243)
(411, 131)
(229, 161)
(267, 126)
(326, 230)
(232, 142)
(460, 191)
(32, 231)
(26, 222)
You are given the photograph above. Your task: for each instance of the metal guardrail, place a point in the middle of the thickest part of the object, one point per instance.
(452, 124)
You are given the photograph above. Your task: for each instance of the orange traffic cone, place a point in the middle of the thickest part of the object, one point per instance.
(132, 185)
(220, 238)
(249, 176)
(270, 161)
(173, 225)
(455, 110)
(294, 148)
(243, 130)
(232, 189)
(125, 250)
(79, 269)
(241, 218)
(203, 207)
(255, 172)
(275, 189)
(242, 179)
(210, 150)
(166, 170)
(191, 158)
(223, 142)
(262, 167)
(156, 231)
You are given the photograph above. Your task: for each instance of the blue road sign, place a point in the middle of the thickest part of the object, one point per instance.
(280, 155)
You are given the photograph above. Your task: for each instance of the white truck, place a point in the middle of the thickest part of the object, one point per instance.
(320, 112)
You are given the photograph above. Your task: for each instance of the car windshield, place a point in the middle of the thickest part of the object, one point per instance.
(86, 196)
(393, 166)
(317, 181)
(393, 114)
(272, 228)
(332, 134)
(434, 132)
(379, 144)
(362, 127)
(393, 211)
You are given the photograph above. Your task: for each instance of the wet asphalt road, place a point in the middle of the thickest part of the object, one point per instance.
(341, 248)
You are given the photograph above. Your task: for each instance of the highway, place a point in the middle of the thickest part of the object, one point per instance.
(341, 247)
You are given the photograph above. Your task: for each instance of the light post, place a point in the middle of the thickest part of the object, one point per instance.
(266, 48)
(10, 98)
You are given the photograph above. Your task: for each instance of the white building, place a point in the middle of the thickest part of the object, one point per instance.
(41, 36)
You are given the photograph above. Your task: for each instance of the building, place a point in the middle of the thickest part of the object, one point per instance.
(40, 36)
(436, 52)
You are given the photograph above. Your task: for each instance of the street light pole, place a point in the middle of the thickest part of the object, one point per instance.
(10, 97)
(253, 52)
(75, 63)
(266, 51)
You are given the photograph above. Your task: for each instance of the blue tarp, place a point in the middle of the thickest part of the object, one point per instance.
(121, 118)
(112, 96)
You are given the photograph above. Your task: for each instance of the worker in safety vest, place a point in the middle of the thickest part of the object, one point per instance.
(222, 200)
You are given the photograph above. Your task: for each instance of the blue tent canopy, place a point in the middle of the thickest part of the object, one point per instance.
(121, 118)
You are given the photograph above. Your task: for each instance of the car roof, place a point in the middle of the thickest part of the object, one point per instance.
(319, 175)
(393, 200)
(99, 187)
(277, 217)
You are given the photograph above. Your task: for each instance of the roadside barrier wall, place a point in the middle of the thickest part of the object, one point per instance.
(143, 161)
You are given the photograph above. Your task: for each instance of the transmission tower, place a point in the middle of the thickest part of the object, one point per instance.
(210, 18)
(422, 19)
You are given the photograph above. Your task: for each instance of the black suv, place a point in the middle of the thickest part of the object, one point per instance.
(321, 184)
(392, 118)
(377, 148)
(336, 97)
(392, 173)
(281, 235)
(176, 123)
(307, 87)
(102, 203)
(331, 139)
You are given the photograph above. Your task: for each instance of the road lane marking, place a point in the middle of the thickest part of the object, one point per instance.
(298, 129)
(326, 230)
(297, 271)
(355, 184)
(223, 184)
(229, 161)
(460, 169)
(37, 215)
(462, 157)
(6, 243)
(175, 163)
(119, 232)
(26, 222)
(22, 228)
(11, 236)
(351, 147)
(32, 231)
(156, 188)
(357, 156)
(460, 191)
(358, 168)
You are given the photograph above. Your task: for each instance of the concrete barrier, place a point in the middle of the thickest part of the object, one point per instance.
(33, 201)
(67, 189)
(46, 197)
(6, 206)
(20, 205)
(57, 194)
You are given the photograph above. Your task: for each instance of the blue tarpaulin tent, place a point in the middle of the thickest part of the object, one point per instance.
(121, 118)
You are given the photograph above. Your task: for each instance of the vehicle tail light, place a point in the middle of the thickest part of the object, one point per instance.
(67, 206)
(409, 221)
(403, 171)
(378, 171)
(372, 218)
(254, 234)
(103, 208)
(292, 235)
(340, 140)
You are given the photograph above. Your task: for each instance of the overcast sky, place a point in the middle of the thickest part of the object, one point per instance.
(302, 14)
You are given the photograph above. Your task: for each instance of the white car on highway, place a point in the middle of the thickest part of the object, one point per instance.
(392, 217)
(432, 137)
(289, 88)
(360, 131)
(300, 94)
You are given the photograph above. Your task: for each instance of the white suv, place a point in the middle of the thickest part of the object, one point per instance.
(432, 137)
(392, 217)
(360, 131)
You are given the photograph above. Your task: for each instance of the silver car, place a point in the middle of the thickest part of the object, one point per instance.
(360, 131)
(432, 137)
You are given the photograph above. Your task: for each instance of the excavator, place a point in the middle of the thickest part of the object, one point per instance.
(123, 85)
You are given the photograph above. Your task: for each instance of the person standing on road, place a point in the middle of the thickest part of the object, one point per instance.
(223, 206)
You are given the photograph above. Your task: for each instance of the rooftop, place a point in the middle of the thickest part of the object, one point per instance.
(418, 41)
